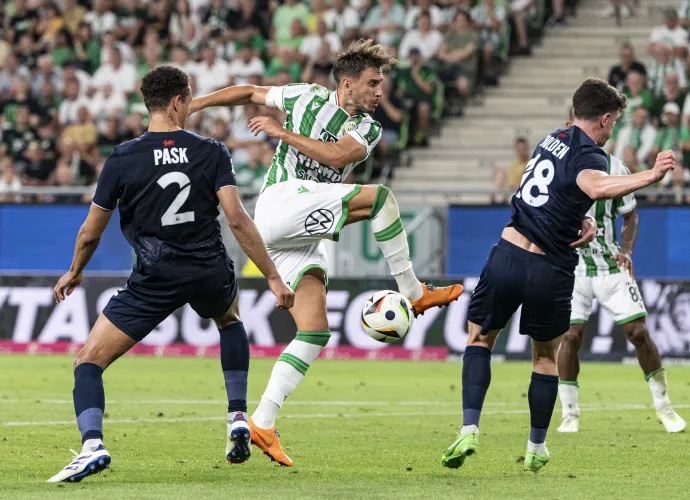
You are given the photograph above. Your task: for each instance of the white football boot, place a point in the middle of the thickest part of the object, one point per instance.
(93, 459)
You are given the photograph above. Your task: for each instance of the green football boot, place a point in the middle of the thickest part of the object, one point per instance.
(464, 446)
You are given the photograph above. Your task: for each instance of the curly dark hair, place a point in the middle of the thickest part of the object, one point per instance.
(360, 55)
(595, 97)
(160, 85)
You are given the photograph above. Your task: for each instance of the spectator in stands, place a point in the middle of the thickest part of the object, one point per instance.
(679, 184)
(211, 73)
(637, 96)
(523, 153)
(317, 11)
(110, 137)
(558, 17)
(70, 70)
(312, 43)
(672, 92)
(384, 22)
(490, 18)
(51, 22)
(341, 17)
(100, 18)
(415, 11)
(390, 114)
(663, 64)
(10, 183)
(319, 67)
(24, 21)
(518, 10)
(63, 48)
(246, 64)
(83, 134)
(73, 14)
(283, 63)
(88, 49)
(67, 112)
(47, 72)
(247, 25)
(116, 73)
(625, 6)
(684, 13)
(638, 136)
(458, 55)
(107, 102)
(48, 99)
(26, 52)
(21, 97)
(670, 34)
(131, 20)
(425, 38)
(109, 42)
(40, 156)
(619, 73)
(671, 134)
(248, 151)
(10, 73)
(18, 136)
(417, 83)
(283, 17)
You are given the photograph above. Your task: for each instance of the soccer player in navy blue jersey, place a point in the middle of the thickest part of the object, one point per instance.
(168, 184)
(534, 262)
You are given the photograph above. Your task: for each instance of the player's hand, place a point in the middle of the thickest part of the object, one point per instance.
(665, 161)
(66, 285)
(587, 233)
(265, 124)
(625, 263)
(285, 298)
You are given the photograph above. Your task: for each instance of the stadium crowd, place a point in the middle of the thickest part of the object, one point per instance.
(658, 114)
(70, 71)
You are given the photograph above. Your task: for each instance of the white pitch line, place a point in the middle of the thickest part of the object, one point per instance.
(593, 408)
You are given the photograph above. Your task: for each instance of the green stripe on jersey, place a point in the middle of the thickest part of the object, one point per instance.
(336, 122)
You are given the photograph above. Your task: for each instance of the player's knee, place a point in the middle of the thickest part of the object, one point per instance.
(89, 354)
(636, 332)
(574, 335)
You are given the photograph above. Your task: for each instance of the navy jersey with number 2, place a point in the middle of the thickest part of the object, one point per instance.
(548, 209)
(166, 185)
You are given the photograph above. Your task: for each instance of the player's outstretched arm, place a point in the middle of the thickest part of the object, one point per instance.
(628, 239)
(600, 186)
(334, 154)
(248, 237)
(88, 238)
(237, 95)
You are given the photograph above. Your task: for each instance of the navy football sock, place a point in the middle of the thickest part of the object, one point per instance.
(542, 394)
(476, 377)
(234, 359)
(89, 400)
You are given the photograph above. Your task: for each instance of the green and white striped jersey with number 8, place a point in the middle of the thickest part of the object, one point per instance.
(313, 111)
(596, 258)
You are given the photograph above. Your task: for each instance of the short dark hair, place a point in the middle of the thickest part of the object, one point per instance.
(160, 85)
(521, 140)
(571, 115)
(359, 56)
(595, 97)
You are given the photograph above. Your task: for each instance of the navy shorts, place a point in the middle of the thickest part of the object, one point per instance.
(512, 277)
(137, 309)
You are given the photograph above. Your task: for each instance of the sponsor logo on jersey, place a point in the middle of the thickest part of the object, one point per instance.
(320, 91)
(319, 221)
(168, 143)
(348, 126)
(170, 156)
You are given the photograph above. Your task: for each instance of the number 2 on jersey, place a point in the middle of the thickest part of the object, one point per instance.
(171, 217)
(539, 176)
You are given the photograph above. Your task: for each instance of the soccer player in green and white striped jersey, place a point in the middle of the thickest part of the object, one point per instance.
(303, 202)
(605, 272)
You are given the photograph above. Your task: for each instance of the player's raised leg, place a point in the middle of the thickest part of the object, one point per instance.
(568, 371)
(378, 205)
(648, 356)
(309, 313)
(234, 361)
(542, 394)
(476, 377)
(104, 345)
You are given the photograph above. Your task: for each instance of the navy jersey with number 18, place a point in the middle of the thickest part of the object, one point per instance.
(549, 206)
(166, 184)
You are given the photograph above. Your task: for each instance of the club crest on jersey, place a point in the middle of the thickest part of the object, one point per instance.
(170, 156)
(348, 126)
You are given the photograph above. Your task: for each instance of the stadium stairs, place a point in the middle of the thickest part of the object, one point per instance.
(531, 101)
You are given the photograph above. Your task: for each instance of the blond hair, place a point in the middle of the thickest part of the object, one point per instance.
(359, 56)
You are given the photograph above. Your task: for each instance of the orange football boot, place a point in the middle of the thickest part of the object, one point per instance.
(267, 440)
(436, 296)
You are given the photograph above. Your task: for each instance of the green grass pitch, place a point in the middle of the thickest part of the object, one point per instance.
(355, 429)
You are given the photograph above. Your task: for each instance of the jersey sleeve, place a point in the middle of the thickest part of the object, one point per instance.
(626, 203)
(589, 161)
(225, 173)
(284, 98)
(368, 134)
(109, 185)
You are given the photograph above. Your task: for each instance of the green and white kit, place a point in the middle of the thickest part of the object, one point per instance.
(597, 275)
(303, 202)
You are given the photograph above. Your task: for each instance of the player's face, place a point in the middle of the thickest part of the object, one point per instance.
(367, 90)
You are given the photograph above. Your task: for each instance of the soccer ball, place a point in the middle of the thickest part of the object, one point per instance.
(387, 316)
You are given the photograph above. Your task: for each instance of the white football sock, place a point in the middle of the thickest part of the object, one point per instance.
(90, 445)
(538, 448)
(287, 373)
(659, 387)
(392, 240)
(466, 429)
(568, 394)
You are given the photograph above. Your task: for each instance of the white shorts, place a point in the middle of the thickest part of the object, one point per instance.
(617, 293)
(294, 217)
